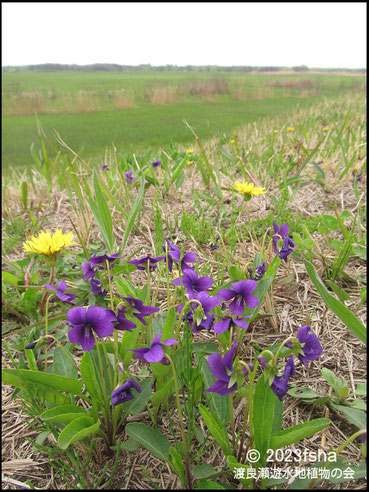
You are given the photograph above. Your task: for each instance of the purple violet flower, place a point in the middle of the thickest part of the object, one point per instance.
(241, 294)
(222, 326)
(208, 302)
(129, 177)
(280, 384)
(311, 347)
(155, 353)
(96, 287)
(33, 344)
(259, 271)
(205, 323)
(61, 292)
(215, 245)
(124, 323)
(85, 322)
(100, 261)
(105, 167)
(222, 369)
(193, 283)
(282, 233)
(174, 253)
(142, 263)
(88, 271)
(156, 164)
(124, 392)
(287, 249)
(136, 308)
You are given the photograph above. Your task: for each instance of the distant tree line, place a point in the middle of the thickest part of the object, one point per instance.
(113, 67)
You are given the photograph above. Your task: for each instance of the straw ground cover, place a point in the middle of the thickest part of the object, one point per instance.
(311, 163)
(138, 110)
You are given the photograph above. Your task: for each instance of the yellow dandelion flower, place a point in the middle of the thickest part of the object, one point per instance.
(189, 151)
(290, 129)
(47, 244)
(189, 163)
(248, 190)
(233, 140)
(275, 131)
(325, 129)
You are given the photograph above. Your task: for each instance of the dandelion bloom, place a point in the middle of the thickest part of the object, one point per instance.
(248, 190)
(189, 163)
(325, 129)
(275, 131)
(124, 392)
(47, 244)
(189, 151)
(290, 129)
(233, 141)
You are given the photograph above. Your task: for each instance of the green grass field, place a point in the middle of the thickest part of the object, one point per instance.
(136, 110)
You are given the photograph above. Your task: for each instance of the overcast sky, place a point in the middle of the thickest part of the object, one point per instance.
(324, 35)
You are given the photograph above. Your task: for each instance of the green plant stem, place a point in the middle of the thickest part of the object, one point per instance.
(180, 417)
(249, 406)
(339, 451)
(44, 297)
(46, 327)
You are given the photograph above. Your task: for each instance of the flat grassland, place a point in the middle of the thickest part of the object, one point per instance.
(137, 110)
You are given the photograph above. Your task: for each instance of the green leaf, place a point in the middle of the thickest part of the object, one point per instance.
(358, 403)
(218, 432)
(345, 315)
(9, 278)
(336, 383)
(150, 439)
(297, 433)
(89, 378)
(53, 381)
(77, 430)
(361, 389)
(133, 213)
(177, 465)
(24, 194)
(305, 393)
(209, 485)
(218, 404)
(62, 365)
(102, 215)
(135, 405)
(204, 471)
(234, 465)
(128, 445)
(265, 402)
(63, 414)
(207, 347)
(340, 293)
(235, 274)
(353, 415)
(32, 363)
(177, 169)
